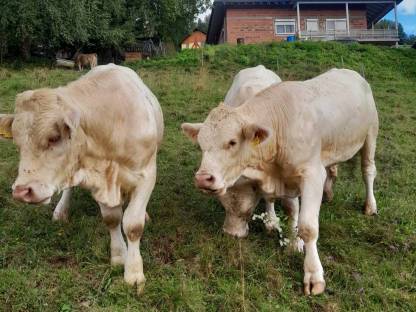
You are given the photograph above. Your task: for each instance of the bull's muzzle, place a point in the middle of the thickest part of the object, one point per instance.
(204, 181)
(31, 193)
(235, 226)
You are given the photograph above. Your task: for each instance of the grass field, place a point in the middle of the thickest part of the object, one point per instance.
(190, 264)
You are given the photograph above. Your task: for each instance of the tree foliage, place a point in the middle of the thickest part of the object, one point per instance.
(203, 23)
(388, 24)
(52, 24)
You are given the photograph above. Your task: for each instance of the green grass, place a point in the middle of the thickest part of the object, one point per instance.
(190, 264)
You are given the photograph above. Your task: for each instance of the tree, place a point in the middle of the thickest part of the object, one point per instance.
(167, 19)
(411, 39)
(52, 24)
(203, 24)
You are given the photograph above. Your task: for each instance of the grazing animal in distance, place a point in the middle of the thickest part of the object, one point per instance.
(82, 60)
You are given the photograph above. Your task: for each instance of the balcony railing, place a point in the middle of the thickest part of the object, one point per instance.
(353, 34)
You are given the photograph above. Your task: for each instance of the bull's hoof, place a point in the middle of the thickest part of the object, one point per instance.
(370, 208)
(60, 217)
(135, 278)
(314, 289)
(328, 196)
(296, 245)
(140, 288)
(236, 233)
(271, 226)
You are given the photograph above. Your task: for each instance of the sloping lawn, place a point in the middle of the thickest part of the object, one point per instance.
(190, 264)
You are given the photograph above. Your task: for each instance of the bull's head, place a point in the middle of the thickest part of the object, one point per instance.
(43, 128)
(227, 142)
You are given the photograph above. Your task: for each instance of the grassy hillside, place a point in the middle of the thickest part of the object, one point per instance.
(190, 264)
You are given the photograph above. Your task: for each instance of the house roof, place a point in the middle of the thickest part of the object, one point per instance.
(376, 10)
(195, 31)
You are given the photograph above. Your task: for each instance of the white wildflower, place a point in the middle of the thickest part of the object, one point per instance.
(273, 223)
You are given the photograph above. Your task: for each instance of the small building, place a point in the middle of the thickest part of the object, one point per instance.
(196, 40)
(238, 21)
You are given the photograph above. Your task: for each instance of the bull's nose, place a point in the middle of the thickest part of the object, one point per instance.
(205, 181)
(23, 193)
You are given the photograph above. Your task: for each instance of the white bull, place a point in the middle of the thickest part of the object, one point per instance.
(242, 198)
(100, 132)
(284, 137)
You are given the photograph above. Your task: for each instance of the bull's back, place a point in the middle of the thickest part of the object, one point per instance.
(152, 100)
(117, 93)
(345, 112)
(247, 83)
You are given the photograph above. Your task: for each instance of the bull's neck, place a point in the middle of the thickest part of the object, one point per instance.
(272, 115)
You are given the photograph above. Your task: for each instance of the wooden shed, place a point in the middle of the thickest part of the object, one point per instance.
(195, 40)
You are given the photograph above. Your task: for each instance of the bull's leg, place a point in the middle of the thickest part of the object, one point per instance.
(271, 216)
(112, 219)
(133, 226)
(61, 211)
(311, 195)
(331, 176)
(291, 207)
(369, 171)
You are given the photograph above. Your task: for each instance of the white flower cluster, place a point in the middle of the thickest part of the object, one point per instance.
(272, 223)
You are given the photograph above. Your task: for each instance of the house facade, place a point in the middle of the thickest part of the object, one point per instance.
(235, 21)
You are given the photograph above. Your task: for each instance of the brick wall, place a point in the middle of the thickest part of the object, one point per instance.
(257, 25)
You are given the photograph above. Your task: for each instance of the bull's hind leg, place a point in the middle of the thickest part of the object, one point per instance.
(331, 177)
(133, 225)
(112, 219)
(61, 211)
(369, 171)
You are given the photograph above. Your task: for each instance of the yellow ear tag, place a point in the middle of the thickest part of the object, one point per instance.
(256, 141)
(5, 133)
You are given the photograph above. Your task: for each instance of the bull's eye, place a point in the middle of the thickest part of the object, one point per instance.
(232, 143)
(53, 140)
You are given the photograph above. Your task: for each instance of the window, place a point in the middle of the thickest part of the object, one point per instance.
(285, 26)
(312, 24)
(336, 24)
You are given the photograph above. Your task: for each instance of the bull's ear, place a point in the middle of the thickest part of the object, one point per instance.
(70, 123)
(191, 130)
(72, 119)
(6, 122)
(23, 100)
(255, 134)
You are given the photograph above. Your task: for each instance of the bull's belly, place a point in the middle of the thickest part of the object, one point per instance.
(334, 155)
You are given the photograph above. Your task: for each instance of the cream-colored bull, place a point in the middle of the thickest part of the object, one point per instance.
(100, 132)
(242, 198)
(285, 137)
